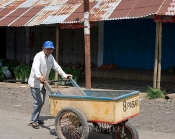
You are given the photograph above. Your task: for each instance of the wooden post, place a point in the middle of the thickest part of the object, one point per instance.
(160, 55)
(156, 56)
(87, 45)
(57, 51)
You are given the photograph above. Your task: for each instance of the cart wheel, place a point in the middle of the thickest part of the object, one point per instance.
(70, 123)
(130, 131)
(103, 127)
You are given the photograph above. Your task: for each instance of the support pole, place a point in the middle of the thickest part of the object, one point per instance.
(57, 51)
(87, 45)
(156, 56)
(160, 55)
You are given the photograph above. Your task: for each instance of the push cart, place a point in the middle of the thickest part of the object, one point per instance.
(108, 110)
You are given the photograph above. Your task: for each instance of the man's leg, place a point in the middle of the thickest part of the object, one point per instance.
(37, 104)
(43, 94)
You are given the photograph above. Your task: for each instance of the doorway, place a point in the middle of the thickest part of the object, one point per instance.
(3, 42)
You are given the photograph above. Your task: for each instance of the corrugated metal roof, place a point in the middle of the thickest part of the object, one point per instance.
(41, 12)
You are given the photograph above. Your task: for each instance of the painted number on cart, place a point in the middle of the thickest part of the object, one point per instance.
(130, 104)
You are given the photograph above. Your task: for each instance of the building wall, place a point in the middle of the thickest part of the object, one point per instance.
(168, 48)
(131, 44)
(127, 43)
(71, 43)
(10, 43)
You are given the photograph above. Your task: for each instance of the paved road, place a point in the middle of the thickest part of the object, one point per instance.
(14, 126)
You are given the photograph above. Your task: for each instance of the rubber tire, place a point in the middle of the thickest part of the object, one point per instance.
(81, 117)
(129, 129)
(102, 129)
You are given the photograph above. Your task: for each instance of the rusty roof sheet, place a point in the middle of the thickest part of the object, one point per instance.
(42, 12)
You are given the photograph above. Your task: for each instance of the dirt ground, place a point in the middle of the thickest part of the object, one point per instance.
(155, 115)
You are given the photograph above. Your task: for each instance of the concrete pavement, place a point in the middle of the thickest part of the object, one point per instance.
(14, 126)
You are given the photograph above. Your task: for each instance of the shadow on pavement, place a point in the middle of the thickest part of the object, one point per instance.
(92, 133)
(44, 118)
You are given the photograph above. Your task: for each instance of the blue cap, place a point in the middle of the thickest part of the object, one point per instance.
(48, 44)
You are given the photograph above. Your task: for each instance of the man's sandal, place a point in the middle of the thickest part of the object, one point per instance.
(40, 122)
(34, 125)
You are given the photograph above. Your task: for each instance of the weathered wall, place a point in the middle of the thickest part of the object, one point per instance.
(71, 45)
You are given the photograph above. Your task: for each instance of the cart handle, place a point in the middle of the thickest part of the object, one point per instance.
(72, 82)
(76, 85)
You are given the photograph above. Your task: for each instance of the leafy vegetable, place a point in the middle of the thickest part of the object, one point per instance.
(22, 72)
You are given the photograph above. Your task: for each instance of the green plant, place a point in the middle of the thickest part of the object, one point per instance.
(154, 93)
(17, 72)
(75, 72)
(22, 72)
(52, 74)
(26, 71)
